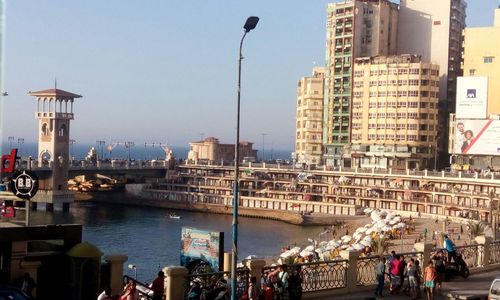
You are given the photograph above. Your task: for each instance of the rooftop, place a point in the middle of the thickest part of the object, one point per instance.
(54, 92)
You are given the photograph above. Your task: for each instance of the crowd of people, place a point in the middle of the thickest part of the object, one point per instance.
(407, 276)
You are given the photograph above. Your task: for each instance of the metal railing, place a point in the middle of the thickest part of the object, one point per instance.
(471, 254)
(206, 286)
(365, 273)
(318, 276)
(495, 252)
(145, 293)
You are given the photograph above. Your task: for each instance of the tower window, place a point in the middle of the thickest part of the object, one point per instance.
(45, 129)
(62, 130)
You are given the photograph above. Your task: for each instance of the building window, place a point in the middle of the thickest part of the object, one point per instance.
(413, 93)
(412, 126)
(488, 59)
(400, 126)
(472, 72)
(415, 71)
(372, 137)
(402, 93)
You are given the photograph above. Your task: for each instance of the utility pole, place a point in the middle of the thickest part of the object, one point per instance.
(263, 148)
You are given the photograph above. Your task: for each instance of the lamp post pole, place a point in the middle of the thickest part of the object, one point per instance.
(249, 25)
(263, 143)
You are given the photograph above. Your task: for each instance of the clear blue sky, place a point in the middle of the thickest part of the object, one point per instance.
(156, 71)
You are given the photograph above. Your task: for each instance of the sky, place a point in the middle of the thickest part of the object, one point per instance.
(166, 71)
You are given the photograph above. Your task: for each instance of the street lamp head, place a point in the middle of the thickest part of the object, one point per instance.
(251, 23)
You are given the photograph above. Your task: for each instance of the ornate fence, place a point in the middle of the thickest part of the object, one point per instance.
(471, 254)
(209, 285)
(365, 273)
(495, 252)
(318, 276)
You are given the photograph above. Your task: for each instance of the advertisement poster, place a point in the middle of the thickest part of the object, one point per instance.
(472, 97)
(197, 244)
(477, 137)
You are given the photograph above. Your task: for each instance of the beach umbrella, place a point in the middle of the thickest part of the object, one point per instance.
(370, 230)
(333, 243)
(351, 249)
(386, 228)
(305, 253)
(309, 248)
(346, 238)
(323, 243)
(285, 254)
(358, 247)
(367, 238)
(365, 243)
(343, 247)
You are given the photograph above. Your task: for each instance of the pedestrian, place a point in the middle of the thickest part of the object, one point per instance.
(430, 277)
(158, 286)
(295, 284)
(252, 289)
(28, 284)
(450, 249)
(130, 291)
(380, 272)
(412, 279)
(106, 294)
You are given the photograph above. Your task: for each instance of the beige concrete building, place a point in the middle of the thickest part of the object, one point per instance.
(394, 112)
(211, 150)
(355, 28)
(309, 129)
(433, 29)
(482, 58)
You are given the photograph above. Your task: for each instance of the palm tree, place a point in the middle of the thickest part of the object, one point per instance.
(380, 245)
(476, 228)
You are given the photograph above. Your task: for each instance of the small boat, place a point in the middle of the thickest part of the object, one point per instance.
(174, 216)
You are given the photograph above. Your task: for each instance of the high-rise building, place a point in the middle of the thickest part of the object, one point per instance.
(482, 58)
(394, 112)
(433, 29)
(355, 28)
(308, 139)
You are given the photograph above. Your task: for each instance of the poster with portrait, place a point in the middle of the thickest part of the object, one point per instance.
(480, 137)
(198, 244)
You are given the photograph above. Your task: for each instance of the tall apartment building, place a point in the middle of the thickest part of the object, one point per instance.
(394, 112)
(355, 28)
(433, 29)
(308, 139)
(482, 58)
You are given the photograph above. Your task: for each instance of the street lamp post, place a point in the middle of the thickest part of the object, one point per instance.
(263, 143)
(72, 153)
(11, 139)
(100, 148)
(249, 25)
(20, 141)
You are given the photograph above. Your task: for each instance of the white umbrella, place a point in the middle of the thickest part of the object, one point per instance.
(309, 248)
(367, 238)
(366, 243)
(285, 254)
(333, 243)
(370, 230)
(323, 243)
(343, 247)
(358, 247)
(386, 228)
(346, 238)
(305, 253)
(361, 229)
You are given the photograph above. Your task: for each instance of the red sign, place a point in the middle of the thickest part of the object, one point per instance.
(8, 162)
(8, 211)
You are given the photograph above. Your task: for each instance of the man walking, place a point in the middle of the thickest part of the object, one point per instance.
(380, 272)
(158, 286)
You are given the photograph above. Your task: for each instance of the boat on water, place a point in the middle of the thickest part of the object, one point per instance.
(174, 216)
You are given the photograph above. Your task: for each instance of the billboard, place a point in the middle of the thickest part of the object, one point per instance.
(472, 97)
(477, 137)
(197, 244)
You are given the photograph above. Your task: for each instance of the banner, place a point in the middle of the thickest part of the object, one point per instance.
(477, 137)
(472, 97)
(197, 244)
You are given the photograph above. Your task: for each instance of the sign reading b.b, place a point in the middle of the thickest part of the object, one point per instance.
(24, 184)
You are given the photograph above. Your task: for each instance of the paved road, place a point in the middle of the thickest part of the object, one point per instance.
(476, 283)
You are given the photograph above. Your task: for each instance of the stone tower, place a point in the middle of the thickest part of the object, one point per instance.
(54, 113)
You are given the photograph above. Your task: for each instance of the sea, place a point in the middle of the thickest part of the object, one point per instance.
(152, 240)
(137, 152)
